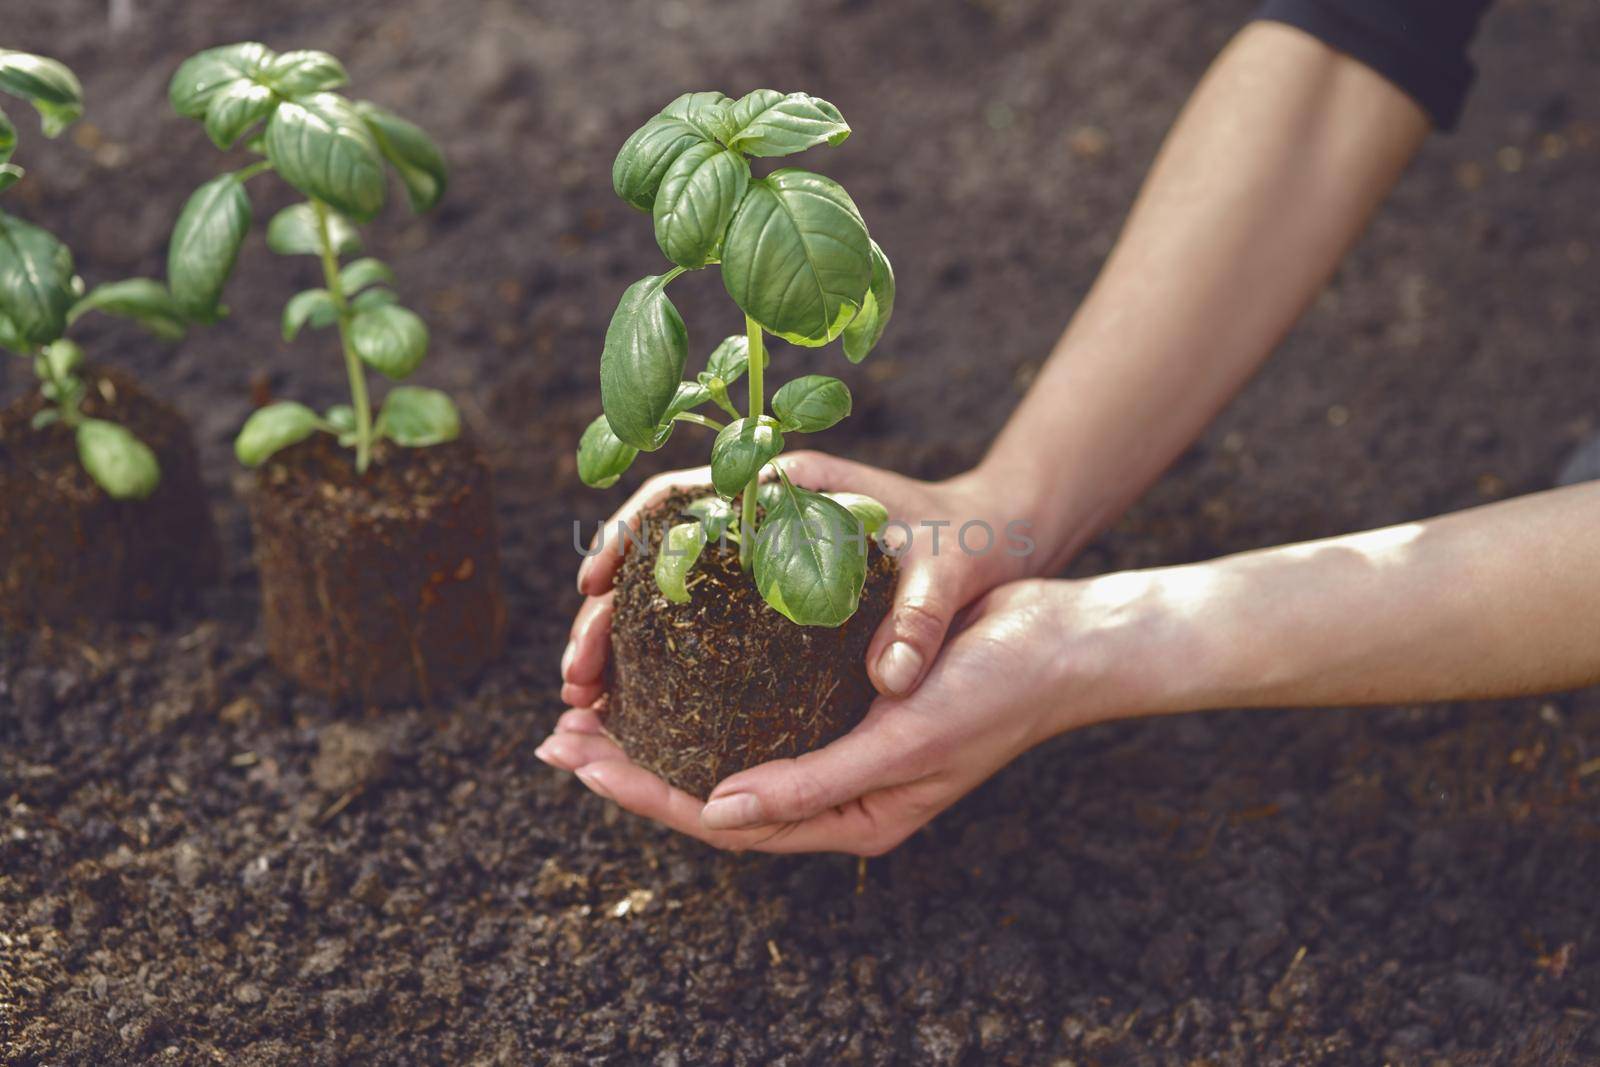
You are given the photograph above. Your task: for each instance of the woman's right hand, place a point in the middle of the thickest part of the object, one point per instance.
(938, 576)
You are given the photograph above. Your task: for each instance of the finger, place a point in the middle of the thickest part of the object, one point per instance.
(637, 790)
(579, 720)
(871, 757)
(581, 696)
(569, 751)
(584, 660)
(599, 570)
(907, 642)
(820, 472)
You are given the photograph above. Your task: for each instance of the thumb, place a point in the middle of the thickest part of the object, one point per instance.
(906, 643)
(793, 790)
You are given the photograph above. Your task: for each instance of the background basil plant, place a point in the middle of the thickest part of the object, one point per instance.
(41, 297)
(334, 151)
(797, 259)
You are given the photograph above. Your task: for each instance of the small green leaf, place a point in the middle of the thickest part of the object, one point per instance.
(35, 280)
(412, 154)
(373, 298)
(320, 145)
(293, 232)
(602, 458)
(680, 548)
(390, 339)
(119, 462)
(295, 74)
(416, 417)
(314, 306)
(797, 257)
(49, 86)
(810, 563)
(689, 396)
(866, 329)
(203, 76)
(715, 514)
(709, 113)
(8, 137)
(63, 359)
(741, 449)
(362, 273)
(812, 403)
(143, 300)
(730, 360)
(10, 174)
(11, 337)
(205, 243)
(44, 417)
(647, 154)
(871, 513)
(342, 417)
(272, 429)
(235, 108)
(695, 202)
(642, 363)
(770, 123)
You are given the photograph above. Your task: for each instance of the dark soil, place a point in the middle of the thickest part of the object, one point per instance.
(381, 588)
(703, 690)
(200, 863)
(72, 556)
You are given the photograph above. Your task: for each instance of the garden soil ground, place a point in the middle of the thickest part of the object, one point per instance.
(199, 865)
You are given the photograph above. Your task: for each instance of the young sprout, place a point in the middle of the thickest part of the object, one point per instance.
(334, 152)
(41, 297)
(796, 258)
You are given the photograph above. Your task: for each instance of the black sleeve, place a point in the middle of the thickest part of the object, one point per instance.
(1420, 45)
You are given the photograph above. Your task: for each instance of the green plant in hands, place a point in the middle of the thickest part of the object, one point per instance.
(796, 257)
(41, 296)
(336, 153)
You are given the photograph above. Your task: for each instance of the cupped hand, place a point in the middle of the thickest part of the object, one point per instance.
(1028, 660)
(938, 576)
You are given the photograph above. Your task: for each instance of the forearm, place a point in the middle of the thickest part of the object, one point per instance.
(1497, 601)
(1268, 176)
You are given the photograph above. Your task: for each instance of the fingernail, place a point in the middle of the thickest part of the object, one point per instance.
(592, 780)
(543, 753)
(899, 666)
(566, 658)
(732, 812)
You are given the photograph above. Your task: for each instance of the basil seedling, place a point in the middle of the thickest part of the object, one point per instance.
(336, 153)
(41, 296)
(796, 258)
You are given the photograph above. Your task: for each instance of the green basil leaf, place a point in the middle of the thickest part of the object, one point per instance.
(646, 155)
(314, 306)
(676, 557)
(809, 561)
(708, 113)
(602, 458)
(320, 145)
(362, 273)
(8, 138)
(866, 329)
(689, 396)
(812, 403)
(204, 75)
(697, 198)
(205, 243)
(301, 73)
(768, 493)
(411, 153)
(872, 514)
(119, 462)
(44, 417)
(49, 86)
(741, 449)
(373, 298)
(293, 232)
(143, 300)
(770, 123)
(272, 429)
(797, 257)
(64, 358)
(715, 514)
(235, 108)
(10, 174)
(729, 360)
(416, 417)
(11, 336)
(390, 339)
(642, 362)
(35, 280)
(342, 417)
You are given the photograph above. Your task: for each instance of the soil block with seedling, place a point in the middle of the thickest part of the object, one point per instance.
(737, 637)
(104, 514)
(374, 530)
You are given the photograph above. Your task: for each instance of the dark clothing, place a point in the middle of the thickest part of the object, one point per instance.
(1420, 45)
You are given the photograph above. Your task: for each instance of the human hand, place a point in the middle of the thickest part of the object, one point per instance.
(937, 576)
(1030, 660)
